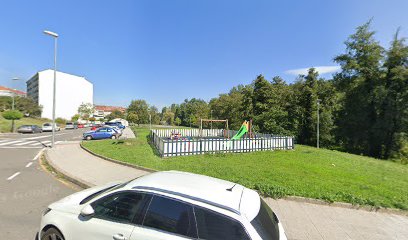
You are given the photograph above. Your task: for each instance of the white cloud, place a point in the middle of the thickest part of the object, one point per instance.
(320, 69)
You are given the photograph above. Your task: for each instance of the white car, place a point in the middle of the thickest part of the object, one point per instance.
(162, 205)
(118, 130)
(47, 127)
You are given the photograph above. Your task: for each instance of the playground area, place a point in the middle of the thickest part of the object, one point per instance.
(181, 142)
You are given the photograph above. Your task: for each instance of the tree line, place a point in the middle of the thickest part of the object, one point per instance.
(363, 108)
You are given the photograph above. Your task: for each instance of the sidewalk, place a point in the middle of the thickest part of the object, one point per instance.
(301, 220)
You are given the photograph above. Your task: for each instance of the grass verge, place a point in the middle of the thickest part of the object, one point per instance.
(306, 171)
(5, 125)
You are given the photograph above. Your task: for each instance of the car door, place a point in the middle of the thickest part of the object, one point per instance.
(166, 218)
(115, 217)
(100, 133)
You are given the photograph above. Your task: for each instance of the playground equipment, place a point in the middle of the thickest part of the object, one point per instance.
(245, 128)
(226, 133)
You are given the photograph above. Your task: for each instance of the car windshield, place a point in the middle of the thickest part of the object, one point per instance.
(69, 124)
(105, 190)
(47, 124)
(266, 223)
(25, 126)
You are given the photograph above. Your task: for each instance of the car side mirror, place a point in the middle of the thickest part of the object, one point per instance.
(87, 211)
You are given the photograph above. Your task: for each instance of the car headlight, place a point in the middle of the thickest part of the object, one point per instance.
(46, 211)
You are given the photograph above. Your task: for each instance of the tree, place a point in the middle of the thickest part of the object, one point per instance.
(12, 115)
(28, 106)
(393, 116)
(85, 110)
(92, 119)
(75, 117)
(61, 121)
(177, 121)
(154, 113)
(132, 117)
(308, 104)
(141, 109)
(360, 80)
(115, 114)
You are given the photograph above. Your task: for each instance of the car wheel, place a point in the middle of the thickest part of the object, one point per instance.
(113, 137)
(88, 138)
(52, 234)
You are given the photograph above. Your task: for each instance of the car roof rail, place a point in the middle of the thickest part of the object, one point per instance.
(188, 197)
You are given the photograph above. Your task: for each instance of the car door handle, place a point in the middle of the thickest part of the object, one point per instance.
(119, 236)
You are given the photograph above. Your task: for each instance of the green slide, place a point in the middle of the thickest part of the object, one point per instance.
(241, 132)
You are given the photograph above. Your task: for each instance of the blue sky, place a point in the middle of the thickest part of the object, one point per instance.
(166, 51)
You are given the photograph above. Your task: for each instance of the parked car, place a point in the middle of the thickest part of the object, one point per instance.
(118, 124)
(163, 205)
(101, 133)
(95, 126)
(47, 127)
(80, 125)
(71, 125)
(29, 129)
(116, 128)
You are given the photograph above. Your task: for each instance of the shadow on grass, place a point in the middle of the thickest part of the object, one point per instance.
(151, 144)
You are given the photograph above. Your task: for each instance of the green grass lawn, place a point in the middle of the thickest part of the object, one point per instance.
(305, 171)
(5, 125)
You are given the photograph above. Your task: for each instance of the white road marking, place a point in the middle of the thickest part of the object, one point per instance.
(8, 143)
(4, 140)
(22, 147)
(29, 164)
(32, 138)
(38, 155)
(34, 144)
(13, 176)
(24, 143)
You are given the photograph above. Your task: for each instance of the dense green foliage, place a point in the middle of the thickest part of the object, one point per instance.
(362, 110)
(25, 105)
(304, 171)
(5, 124)
(115, 114)
(12, 115)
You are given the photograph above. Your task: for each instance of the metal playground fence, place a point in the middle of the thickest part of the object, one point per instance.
(196, 141)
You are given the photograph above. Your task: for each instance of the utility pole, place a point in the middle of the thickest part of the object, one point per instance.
(13, 94)
(55, 36)
(318, 122)
(150, 120)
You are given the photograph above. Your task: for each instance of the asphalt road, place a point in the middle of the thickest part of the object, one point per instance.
(25, 188)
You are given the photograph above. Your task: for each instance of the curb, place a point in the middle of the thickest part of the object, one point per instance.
(82, 183)
(347, 205)
(118, 162)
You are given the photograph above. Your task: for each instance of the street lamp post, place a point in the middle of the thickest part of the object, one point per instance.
(318, 122)
(55, 36)
(13, 93)
(12, 105)
(150, 121)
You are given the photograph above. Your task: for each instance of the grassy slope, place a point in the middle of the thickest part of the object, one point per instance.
(5, 125)
(305, 171)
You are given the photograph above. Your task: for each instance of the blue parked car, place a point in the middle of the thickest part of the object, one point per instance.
(101, 133)
(118, 124)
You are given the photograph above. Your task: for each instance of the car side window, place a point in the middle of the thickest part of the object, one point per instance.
(215, 226)
(124, 207)
(171, 216)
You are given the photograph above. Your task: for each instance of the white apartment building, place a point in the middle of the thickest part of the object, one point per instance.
(71, 92)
